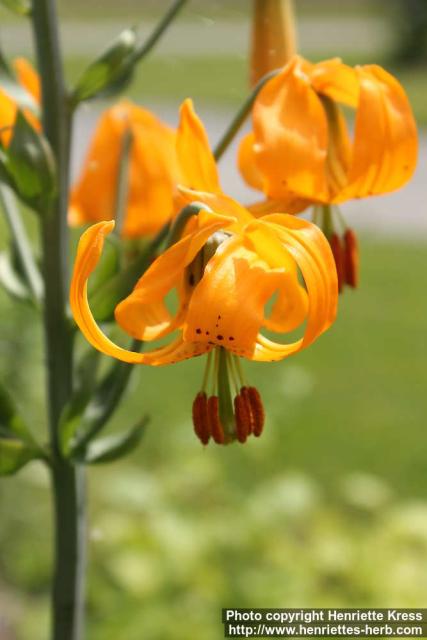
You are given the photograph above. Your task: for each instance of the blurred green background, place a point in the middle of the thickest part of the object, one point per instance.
(329, 506)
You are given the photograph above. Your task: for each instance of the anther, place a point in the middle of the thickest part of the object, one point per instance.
(337, 252)
(242, 418)
(215, 427)
(244, 393)
(257, 410)
(351, 258)
(200, 417)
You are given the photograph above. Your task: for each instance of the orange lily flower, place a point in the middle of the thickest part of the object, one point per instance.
(154, 168)
(29, 80)
(273, 36)
(225, 268)
(300, 151)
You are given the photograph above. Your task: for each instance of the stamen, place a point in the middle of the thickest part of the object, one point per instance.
(244, 391)
(200, 417)
(215, 426)
(242, 417)
(257, 410)
(351, 258)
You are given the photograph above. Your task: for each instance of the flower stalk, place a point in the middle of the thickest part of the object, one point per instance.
(67, 480)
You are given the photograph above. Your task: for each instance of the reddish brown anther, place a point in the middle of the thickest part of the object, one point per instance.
(242, 417)
(257, 410)
(215, 427)
(200, 417)
(244, 392)
(351, 258)
(338, 253)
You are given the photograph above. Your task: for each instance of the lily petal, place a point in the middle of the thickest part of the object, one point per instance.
(197, 164)
(313, 256)
(290, 308)
(291, 130)
(336, 80)
(385, 146)
(227, 306)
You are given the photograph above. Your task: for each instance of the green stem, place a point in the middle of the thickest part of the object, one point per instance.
(123, 180)
(160, 28)
(178, 225)
(241, 116)
(67, 481)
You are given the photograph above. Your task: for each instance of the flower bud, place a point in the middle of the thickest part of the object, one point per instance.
(107, 74)
(273, 36)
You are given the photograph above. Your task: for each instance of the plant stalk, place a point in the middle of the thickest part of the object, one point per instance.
(241, 115)
(67, 481)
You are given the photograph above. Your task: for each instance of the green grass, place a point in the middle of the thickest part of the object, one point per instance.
(211, 9)
(222, 80)
(327, 508)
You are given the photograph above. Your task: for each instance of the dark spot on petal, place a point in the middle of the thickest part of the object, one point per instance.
(220, 337)
(219, 317)
(207, 333)
(230, 338)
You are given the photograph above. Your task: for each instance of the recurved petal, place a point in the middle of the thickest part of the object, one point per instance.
(336, 80)
(291, 135)
(291, 305)
(385, 145)
(88, 255)
(197, 165)
(143, 314)
(313, 256)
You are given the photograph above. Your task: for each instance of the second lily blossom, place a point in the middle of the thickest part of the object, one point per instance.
(300, 151)
(156, 167)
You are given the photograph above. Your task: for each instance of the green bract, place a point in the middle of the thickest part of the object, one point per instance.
(110, 72)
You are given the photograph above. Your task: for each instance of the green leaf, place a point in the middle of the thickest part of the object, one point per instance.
(11, 421)
(30, 165)
(110, 71)
(109, 265)
(25, 264)
(116, 446)
(106, 298)
(21, 7)
(10, 279)
(85, 381)
(14, 454)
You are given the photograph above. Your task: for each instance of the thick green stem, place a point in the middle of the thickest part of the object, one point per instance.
(67, 480)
